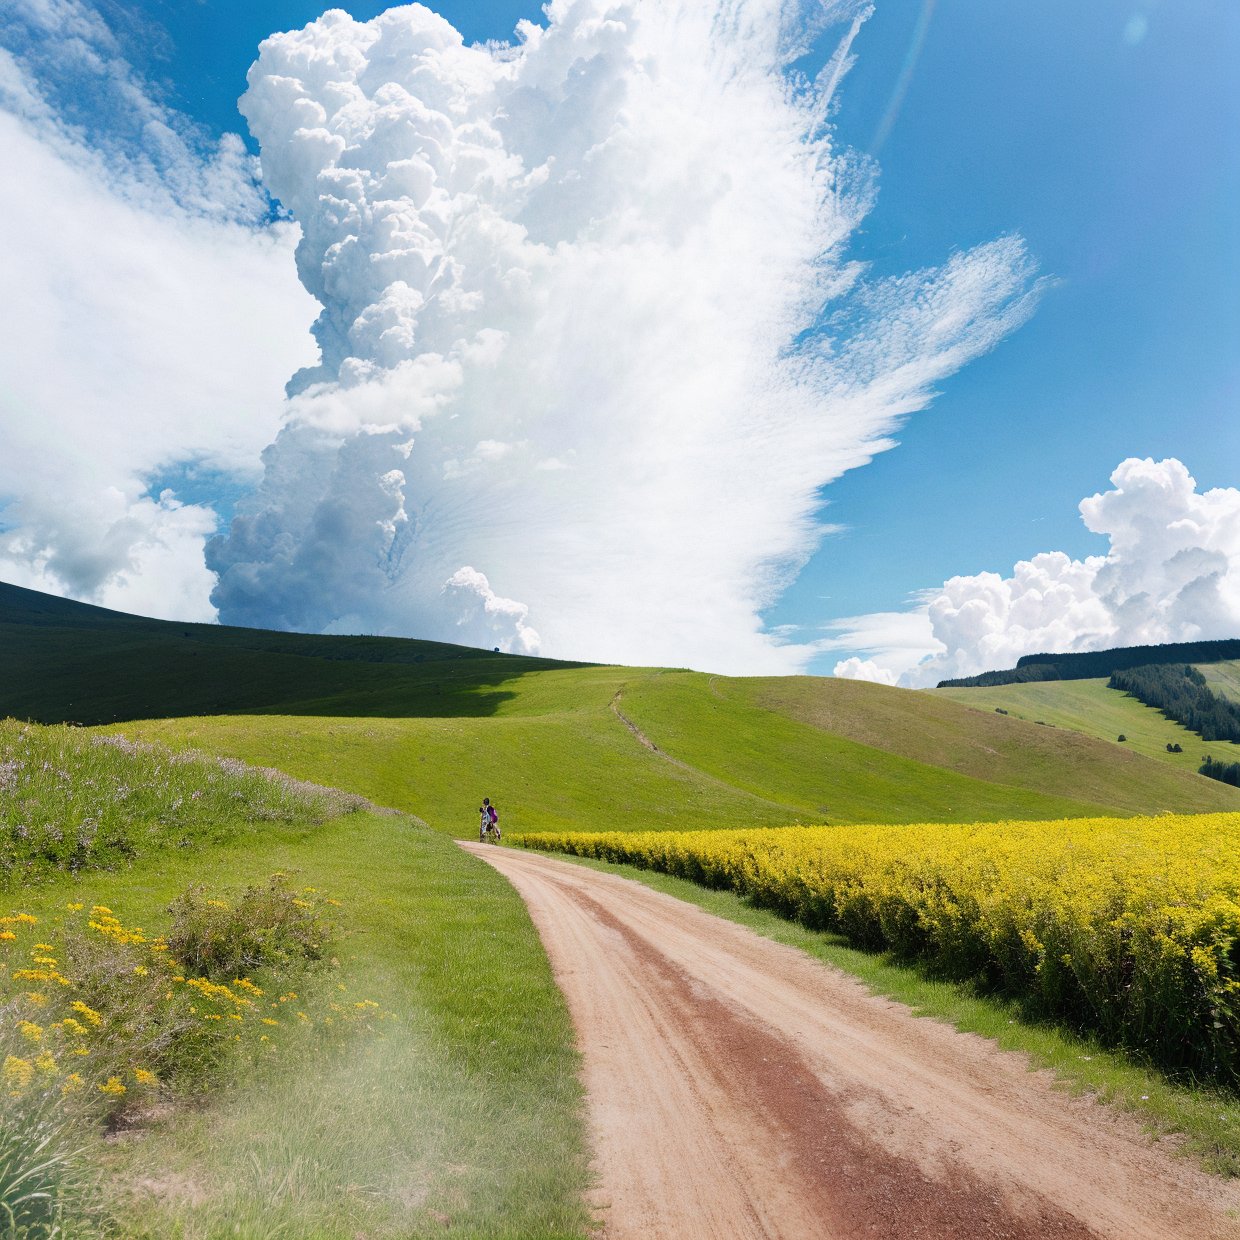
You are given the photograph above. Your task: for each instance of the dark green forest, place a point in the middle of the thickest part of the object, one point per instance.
(1180, 692)
(1095, 664)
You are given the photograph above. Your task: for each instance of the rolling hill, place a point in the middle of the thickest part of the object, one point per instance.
(1088, 707)
(1223, 678)
(429, 727)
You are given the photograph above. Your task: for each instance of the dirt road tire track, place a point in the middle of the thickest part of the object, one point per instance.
(738, 1088)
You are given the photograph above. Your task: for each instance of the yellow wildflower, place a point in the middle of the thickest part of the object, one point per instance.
(91, 1015)
(30, 1031)
(145, 1077)
(114, 1086)
(16, 1072)
(72, 1083)
(45, 1061)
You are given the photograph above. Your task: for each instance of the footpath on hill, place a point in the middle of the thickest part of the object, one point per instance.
(739, 1089)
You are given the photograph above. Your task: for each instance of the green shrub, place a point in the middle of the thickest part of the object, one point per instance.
(110, 1013)
(265, 926)
(99, 1019)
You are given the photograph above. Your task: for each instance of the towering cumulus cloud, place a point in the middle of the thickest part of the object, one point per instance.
(590, 341)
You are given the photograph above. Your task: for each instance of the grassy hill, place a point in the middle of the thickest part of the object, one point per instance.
(1090, 708)
(472, 1106)
(1093, 664)
(429, 728)
(1222, 678)
(62, 661)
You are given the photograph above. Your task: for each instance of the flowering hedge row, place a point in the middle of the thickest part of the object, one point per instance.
(1126, 927)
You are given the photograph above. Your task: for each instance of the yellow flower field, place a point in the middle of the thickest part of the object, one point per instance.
(1126, 926)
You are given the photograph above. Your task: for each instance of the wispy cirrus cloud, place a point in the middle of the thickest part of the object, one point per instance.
(154, 317)
(591, 339)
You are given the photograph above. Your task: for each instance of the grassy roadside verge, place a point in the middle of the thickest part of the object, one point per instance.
(1202, 1123)
(462, 1119)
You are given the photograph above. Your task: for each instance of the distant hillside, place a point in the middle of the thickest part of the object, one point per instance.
(62, 661)
(1092, 665)
(1089, 707)
(430, 728)
(1223, 678)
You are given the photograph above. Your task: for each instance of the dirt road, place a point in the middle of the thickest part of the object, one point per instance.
(739, 1089)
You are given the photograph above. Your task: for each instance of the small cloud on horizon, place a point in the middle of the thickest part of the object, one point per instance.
(1171, 574)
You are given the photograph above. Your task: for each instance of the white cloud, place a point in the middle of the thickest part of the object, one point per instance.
(863, 669)
(598, 279)
(153, 320)
(482, 616)
(894, 641)
(1171, 574)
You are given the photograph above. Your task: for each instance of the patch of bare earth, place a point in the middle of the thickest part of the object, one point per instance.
(739, 1089)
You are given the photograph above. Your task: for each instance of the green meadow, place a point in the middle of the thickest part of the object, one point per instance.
(457, 1114)
(462, 1115)
(1089, 708)
(1223, 678)
(429, 729)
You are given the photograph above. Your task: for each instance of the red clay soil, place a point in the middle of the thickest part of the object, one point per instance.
(738, 1088)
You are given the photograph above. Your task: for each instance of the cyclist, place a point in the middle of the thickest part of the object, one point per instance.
(488, 820)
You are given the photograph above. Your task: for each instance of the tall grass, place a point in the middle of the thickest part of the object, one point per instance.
(45, 1189)
(99, 1021)
(72, 801)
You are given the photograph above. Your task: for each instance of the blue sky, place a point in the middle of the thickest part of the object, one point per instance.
(1118, 161)
(1103, 134)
